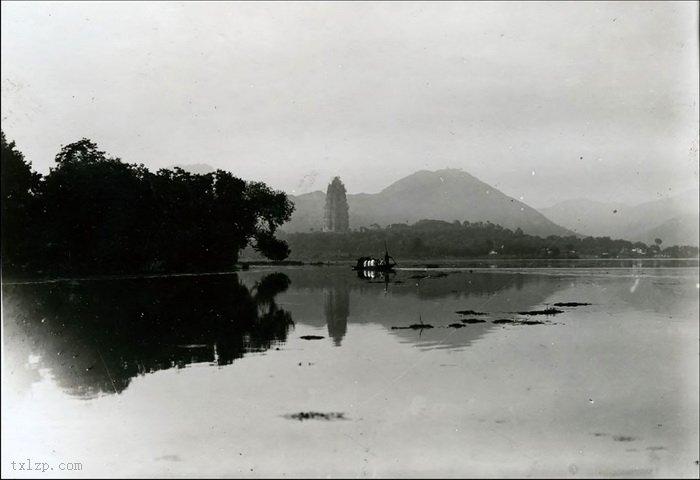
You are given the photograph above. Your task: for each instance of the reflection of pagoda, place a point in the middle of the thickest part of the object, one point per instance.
(337, 309)
(335, 213)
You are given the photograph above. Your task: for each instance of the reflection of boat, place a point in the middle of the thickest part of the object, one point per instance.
(383, 275)
(377, 276)
(374, 264)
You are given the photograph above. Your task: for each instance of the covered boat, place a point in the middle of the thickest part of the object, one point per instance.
(385, 264)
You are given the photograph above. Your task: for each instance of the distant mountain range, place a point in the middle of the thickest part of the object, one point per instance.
(448, 195)
(674, 220)
(453, 194)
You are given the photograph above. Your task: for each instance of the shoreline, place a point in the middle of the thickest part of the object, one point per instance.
(409, 264)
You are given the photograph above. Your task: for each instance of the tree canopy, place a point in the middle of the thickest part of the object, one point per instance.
(18, 186)
(433, 239)
(96, 214)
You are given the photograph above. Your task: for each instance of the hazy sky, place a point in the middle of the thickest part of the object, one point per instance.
(545, 101)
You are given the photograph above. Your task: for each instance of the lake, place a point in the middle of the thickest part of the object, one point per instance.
(569, 369)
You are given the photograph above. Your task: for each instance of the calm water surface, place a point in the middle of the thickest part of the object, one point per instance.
(302, 371)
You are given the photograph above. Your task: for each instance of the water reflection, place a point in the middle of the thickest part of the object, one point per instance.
(406, 297)
(377, 277)
(336, 308)
(95, 336)
(617, 379)
(582, 263)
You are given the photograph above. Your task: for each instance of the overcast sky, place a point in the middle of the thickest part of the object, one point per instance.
(545, 101)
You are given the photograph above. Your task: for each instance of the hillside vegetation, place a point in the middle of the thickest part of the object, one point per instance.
(439, 239)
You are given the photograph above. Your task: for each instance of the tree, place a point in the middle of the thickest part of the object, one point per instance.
(101, 215)
(83, 151)
(19, 186)
(271, 247)
(97, 212)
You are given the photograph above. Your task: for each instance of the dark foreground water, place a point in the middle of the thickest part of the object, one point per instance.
(315, 371)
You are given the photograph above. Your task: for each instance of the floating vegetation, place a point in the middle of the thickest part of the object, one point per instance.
(311, 337)
(301, 416)
(420, 326)
(546, 311)
(415, 326)
(472, 320)
(456, 325)
(429, 275)
(509, 321)
(570, 304)
(470, 312)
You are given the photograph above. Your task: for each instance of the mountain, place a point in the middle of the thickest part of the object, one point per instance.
(672, 219)
(681, 230)
(589, 217)
(449, 195)
(308, 212)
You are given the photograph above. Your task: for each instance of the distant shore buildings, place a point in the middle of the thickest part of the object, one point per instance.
(336, 213)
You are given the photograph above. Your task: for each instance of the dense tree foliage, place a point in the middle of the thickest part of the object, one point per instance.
(438, 239)
(19, 185)
(96, 214)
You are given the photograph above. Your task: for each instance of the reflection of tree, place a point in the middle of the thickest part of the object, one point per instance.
(96, 336)
(336, 309)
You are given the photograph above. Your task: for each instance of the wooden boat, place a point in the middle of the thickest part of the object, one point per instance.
(375, 264)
